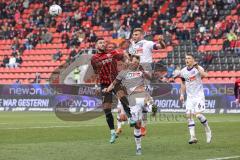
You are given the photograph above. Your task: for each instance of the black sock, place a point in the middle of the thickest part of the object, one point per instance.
(109, 118)
(125, 105)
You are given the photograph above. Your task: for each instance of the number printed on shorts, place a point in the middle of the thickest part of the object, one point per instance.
(200, 106)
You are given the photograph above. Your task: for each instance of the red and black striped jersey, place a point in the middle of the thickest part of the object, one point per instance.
(237, 89)
(104, 64)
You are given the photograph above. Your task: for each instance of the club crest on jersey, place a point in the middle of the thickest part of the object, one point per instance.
(132, 75)
(193, 72)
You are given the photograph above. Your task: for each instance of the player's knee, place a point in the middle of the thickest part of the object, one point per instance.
(120, 94)
(138, 125)
(201, 118)
(188, 116)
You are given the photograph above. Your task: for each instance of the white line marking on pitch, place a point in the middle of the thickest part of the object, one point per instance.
(222, 158)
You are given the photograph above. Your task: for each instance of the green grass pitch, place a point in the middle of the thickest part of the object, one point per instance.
(41, 136)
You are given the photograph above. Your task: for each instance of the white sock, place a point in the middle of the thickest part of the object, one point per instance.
(119, 124)
(112, 131)
(144, 120)
(119, 105)
(191, 127)
(137, 135)
(204, 122)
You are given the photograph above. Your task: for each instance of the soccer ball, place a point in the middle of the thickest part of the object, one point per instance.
(55, 10)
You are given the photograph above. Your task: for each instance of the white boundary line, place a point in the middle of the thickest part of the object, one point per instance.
(222, 158)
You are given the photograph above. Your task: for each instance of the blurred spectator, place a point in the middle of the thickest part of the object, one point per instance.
(15, 44)
(232, 37)
(170, 70)
(57, 55)
(107, 24)
(226, 44)
(27, 44)
(65, 37)
(72, 55)
(26, 4)
(114, 34)
(46, 37)
(74, 41)
(124, 32)
(110, 47)
(207, 59)
(19, 60)
(168, 38)
(5, 61)
(12, 62)
(81, 35)
(60, 28)
(18, 81)
(92, 36)
(37, 78)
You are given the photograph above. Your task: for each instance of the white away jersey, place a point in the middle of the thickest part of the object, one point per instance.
(144, 49)
(193, 82)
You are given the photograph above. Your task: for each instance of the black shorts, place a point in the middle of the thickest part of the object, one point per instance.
(108, 97)
(119, 87)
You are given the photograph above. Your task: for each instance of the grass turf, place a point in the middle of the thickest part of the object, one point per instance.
(41, 136)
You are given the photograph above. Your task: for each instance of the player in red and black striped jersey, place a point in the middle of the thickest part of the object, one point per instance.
(104, 64)
(237, 90)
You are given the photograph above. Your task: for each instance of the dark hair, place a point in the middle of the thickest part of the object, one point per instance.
(99, 39)
(192, 55)
(134, 56)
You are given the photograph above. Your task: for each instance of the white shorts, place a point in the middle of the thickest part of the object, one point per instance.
(136, 110)
(195, 105)
(120, 108)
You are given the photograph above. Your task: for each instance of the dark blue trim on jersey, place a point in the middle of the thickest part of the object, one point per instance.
(189, 69)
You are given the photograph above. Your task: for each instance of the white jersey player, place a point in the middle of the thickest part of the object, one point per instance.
(144, 49)
(132, 79)
(195, 103)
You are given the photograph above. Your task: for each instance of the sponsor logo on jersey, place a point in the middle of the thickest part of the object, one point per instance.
(132, 75)
(192, 78)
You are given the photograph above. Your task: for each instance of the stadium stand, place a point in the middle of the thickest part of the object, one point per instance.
(188, 26)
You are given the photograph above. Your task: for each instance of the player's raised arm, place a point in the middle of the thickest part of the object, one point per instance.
(161, 44)
(111, 86)
(95, 69)
(201, 70)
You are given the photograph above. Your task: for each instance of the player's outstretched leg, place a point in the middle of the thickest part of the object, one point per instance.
(126, 108)
(138, 139)
(119, 122)
(191, 127)
(110, 122)
(144, 122)
(204, 122)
